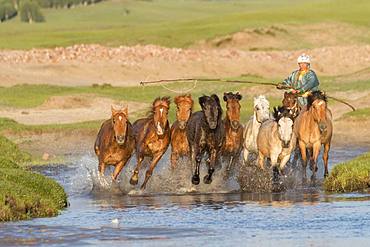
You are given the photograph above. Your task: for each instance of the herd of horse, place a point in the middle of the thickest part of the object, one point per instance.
(206, 136)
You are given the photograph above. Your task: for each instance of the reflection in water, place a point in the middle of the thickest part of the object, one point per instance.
(109, 216)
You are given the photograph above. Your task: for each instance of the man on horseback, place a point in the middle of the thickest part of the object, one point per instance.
(301, 81)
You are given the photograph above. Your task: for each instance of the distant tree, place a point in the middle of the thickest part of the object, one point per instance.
(7, 10)
(30, 12)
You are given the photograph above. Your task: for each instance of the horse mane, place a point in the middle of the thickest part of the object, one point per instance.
(184, 97)
(280, 112)
(314, 96)
(231, 95)
(166, 99)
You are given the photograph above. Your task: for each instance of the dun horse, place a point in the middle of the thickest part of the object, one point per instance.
(261, 107)
(205, 134)
(233, 130)
(179, 141)
(115, 142)
(314, 128)
(152, 135)
(276, 139)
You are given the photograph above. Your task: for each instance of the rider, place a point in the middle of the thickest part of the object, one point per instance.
(301, 81)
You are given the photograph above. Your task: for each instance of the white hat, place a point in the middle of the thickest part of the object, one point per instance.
(304, 58)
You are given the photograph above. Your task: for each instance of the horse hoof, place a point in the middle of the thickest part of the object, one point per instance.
(207, 179)
(195, 180)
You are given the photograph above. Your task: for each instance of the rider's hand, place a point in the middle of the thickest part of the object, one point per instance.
(294, 91)
(280, 86)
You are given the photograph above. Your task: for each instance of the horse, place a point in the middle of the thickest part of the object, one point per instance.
(233, 144)
(205, 133)
(290, 102)
(314, 128)
(276, 139)
(261, 113)
(179, 141)
(152, 135)
(115, 142)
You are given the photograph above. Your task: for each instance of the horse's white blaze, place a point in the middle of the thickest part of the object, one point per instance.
(161, 110)
(320, 103)
(120, 118)
(159, 129)
(285, 128)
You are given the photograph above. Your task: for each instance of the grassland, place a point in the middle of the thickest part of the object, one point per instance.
(24, 194)
(171, 23)
(350, 176)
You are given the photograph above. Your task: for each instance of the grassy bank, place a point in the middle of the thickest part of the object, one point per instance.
(353, 175)
(171, 23)
(24, 194)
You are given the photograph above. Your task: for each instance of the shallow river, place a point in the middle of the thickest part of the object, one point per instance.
(117, 215)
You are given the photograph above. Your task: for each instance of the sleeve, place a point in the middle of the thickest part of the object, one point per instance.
(289, 80)
(311, 82)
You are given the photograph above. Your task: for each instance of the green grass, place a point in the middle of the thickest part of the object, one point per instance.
(361, 114)
(171, 23)
(350, 176)
(24, 194)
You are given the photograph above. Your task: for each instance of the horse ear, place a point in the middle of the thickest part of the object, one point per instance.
(215, 97)
(125, 111)
(239, 96)
(202, 100)
(225, 97)
(114, 111)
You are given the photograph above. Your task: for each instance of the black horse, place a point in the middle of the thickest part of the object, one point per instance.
(206, 134)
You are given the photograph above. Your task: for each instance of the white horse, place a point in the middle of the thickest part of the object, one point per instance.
(276, 139)
(261, 113)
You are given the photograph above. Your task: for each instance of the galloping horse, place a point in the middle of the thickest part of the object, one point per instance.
(152, 135)
(314, 128)
(233, 129)
(276, 139)
(205, 133)
(179, 141)
(261, 107)
(290, 102)
(115, 142)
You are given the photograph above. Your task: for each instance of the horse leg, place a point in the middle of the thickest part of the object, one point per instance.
(135, 177)
(274, 161)
(101, 168)
(211, 167)
(149, 172)
(245, 155)
(326, 158)
(230, 163)
(174, 158)
(261, 160)
(283, 163)
(118, 169)
(196, 159)
(302, 147)
(316, 151)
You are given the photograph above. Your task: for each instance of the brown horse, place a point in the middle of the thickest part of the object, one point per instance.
(290, 102)
(233, 144)
(115, 142)
(179, 141)
(152, 135)
(314, 128)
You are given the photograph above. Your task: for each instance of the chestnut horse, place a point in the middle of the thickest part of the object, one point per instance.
(233, 144)
(115, 142)
(205, 133)
(314, 128)
(290, 102)
(152, 135)
(179, 141)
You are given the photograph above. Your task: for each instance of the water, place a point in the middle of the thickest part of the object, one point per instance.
(106, 214)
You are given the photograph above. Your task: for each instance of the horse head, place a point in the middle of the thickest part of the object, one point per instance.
(317, 105)
(289, 100)
(184, 105)
(119, 122)
(233, 108)
(284, 120)
(160, 110)
(261, 108)
(212, 110)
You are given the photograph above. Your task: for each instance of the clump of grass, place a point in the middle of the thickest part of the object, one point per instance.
(353, 175)
(361, 114)
(24, 194)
